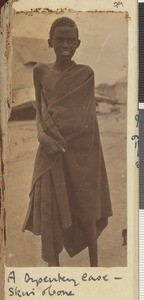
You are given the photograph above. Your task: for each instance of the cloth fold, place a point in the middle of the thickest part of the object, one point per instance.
(76, 186)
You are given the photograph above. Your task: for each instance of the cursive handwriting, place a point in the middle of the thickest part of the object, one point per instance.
(86, 277)
(46, 279)
(19, 293)
(47, 286)
(51, 292)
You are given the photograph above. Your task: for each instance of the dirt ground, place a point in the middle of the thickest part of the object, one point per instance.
(24, 249)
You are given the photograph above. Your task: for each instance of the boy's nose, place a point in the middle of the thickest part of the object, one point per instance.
(65, 44)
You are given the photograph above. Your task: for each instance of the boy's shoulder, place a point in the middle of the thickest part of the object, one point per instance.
(85, 68)
(39, 67)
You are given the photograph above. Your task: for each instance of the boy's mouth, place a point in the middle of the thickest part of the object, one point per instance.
(65, 52)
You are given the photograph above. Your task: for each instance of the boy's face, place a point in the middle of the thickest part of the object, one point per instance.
(65, 42)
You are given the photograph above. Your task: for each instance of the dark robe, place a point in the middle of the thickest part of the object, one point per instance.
(70, 186)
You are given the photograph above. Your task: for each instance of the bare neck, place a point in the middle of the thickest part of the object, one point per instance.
(62, 65)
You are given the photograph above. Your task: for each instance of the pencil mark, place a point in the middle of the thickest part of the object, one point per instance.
(135, 138)
(137, 120)
(117, 4)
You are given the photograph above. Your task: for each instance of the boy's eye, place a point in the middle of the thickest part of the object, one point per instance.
(69, 40)
(59, 40)
(72, 41)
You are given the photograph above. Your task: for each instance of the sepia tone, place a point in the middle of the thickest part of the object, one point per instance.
(109, 61)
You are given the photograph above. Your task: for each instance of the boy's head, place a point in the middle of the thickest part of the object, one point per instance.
(63, 21)
(64, 37)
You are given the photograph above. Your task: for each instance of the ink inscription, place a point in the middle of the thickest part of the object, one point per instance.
(47, 285)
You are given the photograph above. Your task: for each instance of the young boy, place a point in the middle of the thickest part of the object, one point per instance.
(69, 200)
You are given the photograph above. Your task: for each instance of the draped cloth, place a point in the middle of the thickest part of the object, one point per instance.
(69, 186)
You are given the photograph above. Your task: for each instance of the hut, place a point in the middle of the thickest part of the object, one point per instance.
(26, 53)
(117, 91)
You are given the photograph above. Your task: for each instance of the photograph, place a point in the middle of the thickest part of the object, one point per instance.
(66, 192)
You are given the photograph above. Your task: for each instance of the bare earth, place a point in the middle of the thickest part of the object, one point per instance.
(24, 249)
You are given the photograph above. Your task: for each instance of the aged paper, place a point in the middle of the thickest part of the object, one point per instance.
(108, 34)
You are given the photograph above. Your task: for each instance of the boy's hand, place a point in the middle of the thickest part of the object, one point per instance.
(54, 146)
(50, 145)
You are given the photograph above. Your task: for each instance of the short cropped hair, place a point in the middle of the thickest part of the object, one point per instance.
(63, 21)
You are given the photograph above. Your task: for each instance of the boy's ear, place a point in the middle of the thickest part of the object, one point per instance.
(50, 43)
(78, 43)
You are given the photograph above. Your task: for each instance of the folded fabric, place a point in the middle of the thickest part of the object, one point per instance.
(76, 185)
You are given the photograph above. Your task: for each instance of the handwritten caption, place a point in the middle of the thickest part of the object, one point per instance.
(59, 285)
(135, 138)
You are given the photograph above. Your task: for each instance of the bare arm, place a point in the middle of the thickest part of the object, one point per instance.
(49, 144)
